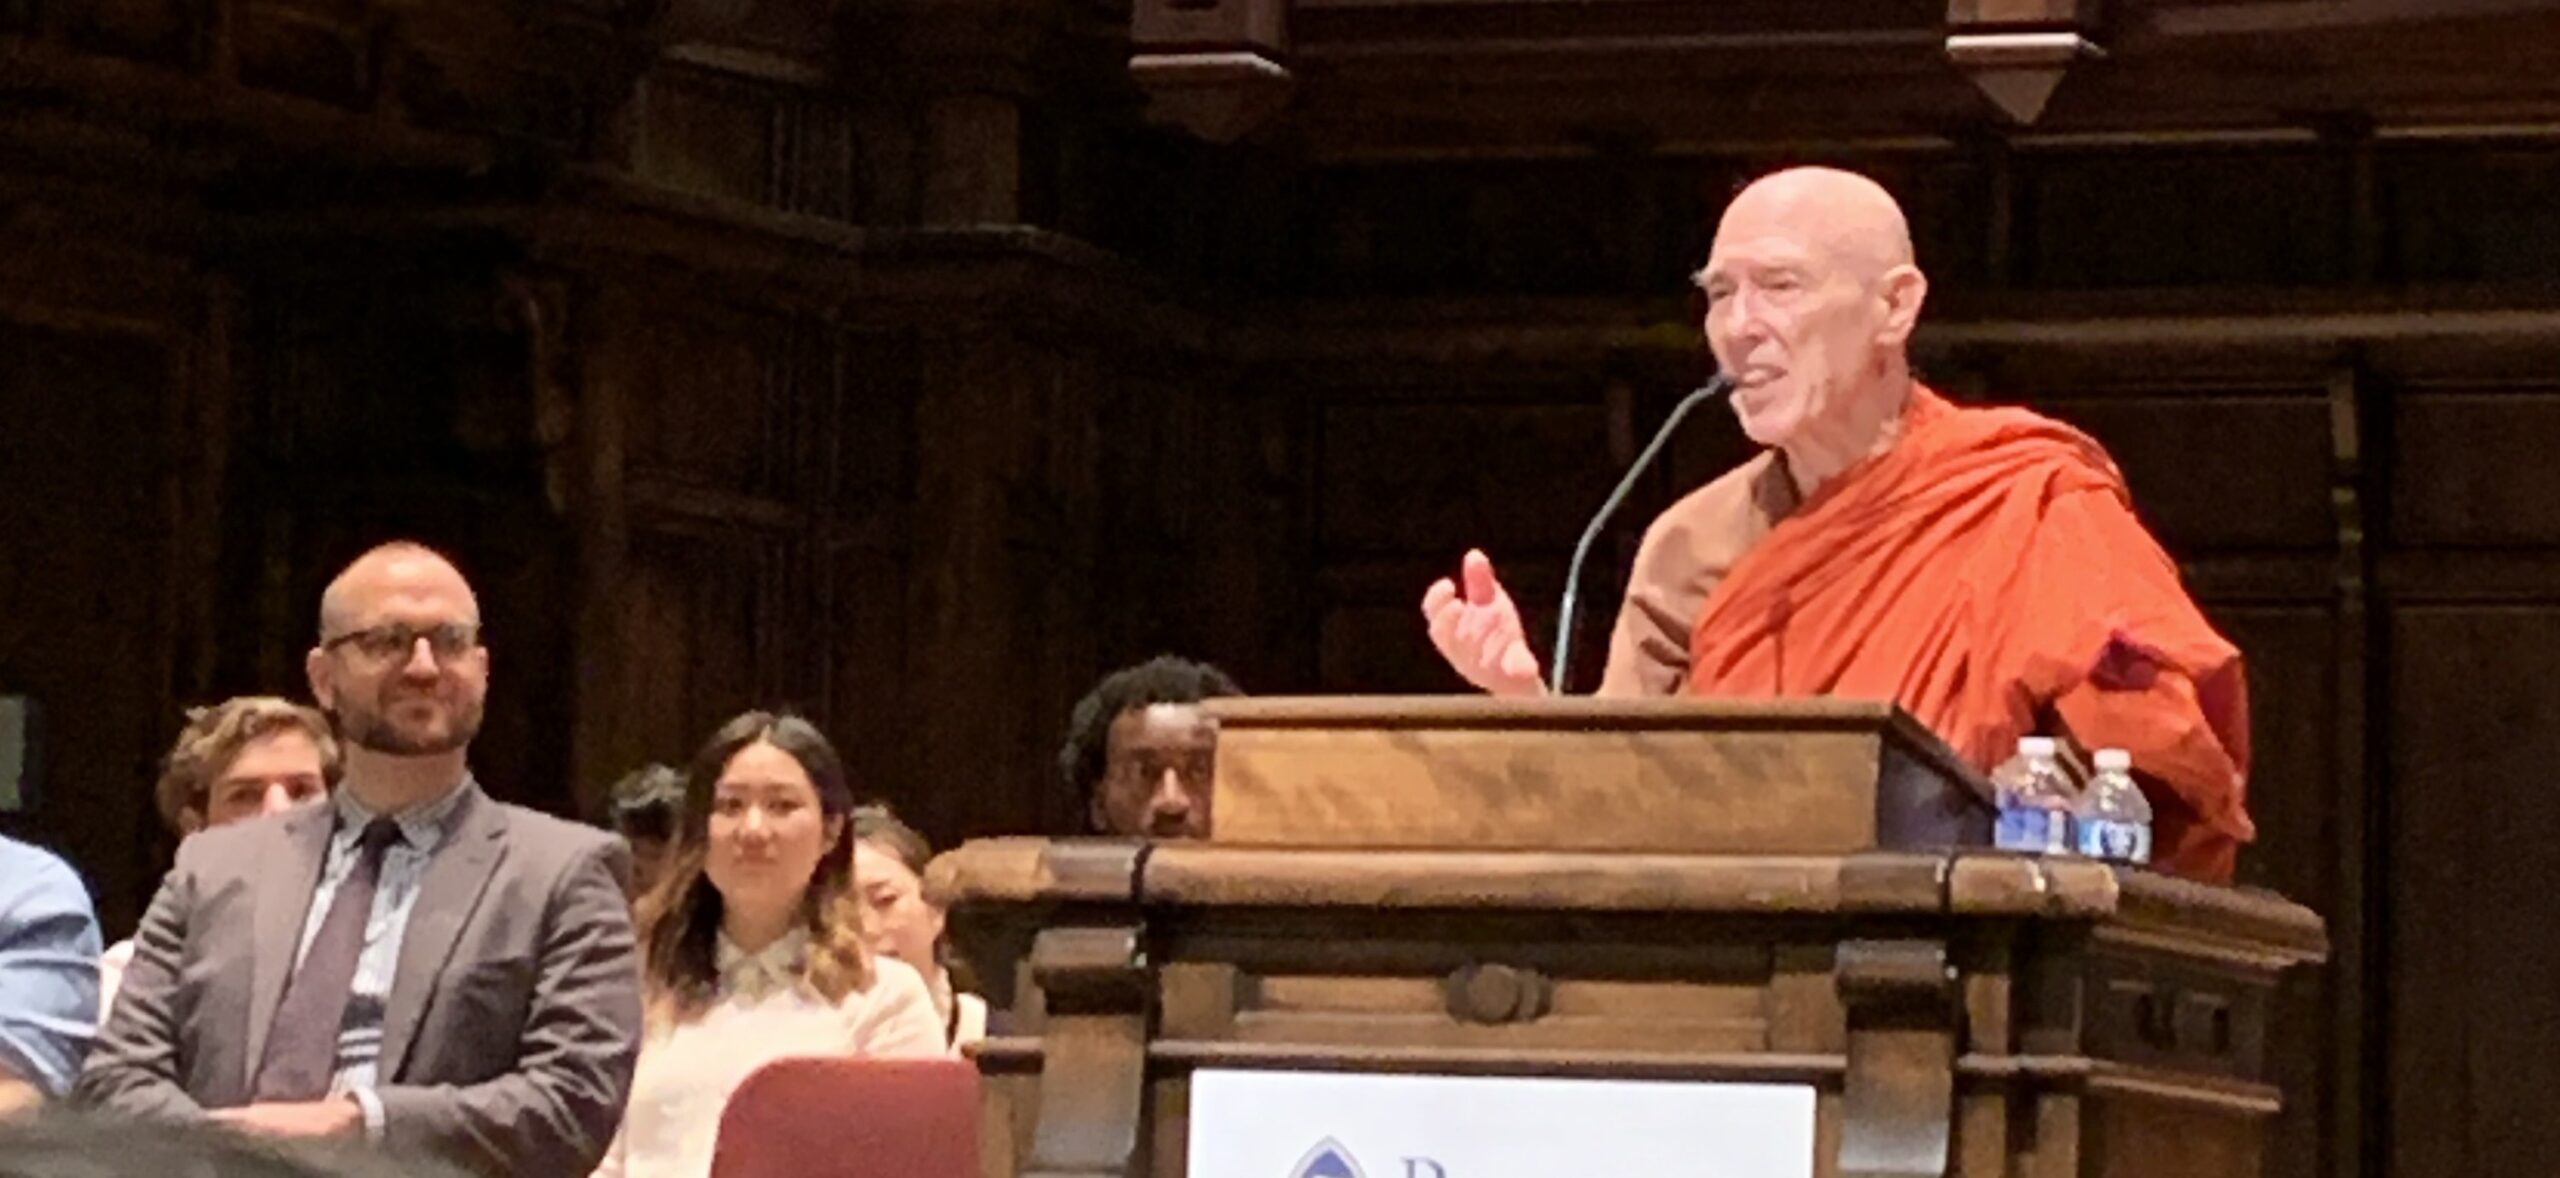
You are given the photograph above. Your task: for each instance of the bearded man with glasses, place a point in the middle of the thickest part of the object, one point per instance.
(415, 963)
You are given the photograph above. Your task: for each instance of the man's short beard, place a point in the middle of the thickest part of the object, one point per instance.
(373, 732)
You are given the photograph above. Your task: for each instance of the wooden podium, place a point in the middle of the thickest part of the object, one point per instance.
(1777, 893)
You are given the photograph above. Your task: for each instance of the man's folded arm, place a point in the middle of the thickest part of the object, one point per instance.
(134, 1067)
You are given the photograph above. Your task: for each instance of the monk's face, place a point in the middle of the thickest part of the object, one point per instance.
(1810, 300)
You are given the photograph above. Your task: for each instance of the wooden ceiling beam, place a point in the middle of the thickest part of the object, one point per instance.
(2290, 16)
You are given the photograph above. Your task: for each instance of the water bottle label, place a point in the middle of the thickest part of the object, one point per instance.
(2030, 828)
(2123, 842)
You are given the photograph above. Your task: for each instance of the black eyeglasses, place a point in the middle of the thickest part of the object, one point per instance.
(381, 644)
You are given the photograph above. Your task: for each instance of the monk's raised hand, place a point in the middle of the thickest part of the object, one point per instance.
(1476, 627)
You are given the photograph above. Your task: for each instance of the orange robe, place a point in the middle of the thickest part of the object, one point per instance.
(1987, 572)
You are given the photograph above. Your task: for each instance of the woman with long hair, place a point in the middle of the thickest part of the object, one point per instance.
(889, 872)
(755, 947)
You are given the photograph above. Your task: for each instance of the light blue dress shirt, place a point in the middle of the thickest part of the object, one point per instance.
(395, 893)
(48, 968)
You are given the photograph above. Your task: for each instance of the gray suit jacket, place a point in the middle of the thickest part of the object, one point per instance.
(514, 1014)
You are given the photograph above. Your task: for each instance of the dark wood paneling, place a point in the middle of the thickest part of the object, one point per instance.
(2461, 214)
(2294, 796)
(1379, 648)
(874, 417)
(708, 135)
(1505, 478)
(696, 610)
(871, 713)
(719, 399)
(2192, 456)
(2474, 1028)
(2097, 220)
(769, 138)
(157, 31)
(2474, 467)
(86, 486)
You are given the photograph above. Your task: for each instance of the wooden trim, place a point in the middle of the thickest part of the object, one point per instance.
(2359, 482)
(2128, 905)
(1735, 1068)
(1022, 869)
(1252, 877)
(1579, 712)
(1582, 713)
(2239, 953)
(2213, 1092)
(2186, 912)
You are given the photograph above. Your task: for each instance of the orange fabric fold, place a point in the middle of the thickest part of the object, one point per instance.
(1987, 573)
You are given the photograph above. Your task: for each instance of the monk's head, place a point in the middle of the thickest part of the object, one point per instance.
(1811, 298)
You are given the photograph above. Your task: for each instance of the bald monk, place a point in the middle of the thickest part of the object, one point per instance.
(1981, 567)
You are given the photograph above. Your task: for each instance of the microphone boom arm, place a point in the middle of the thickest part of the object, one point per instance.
(1714, 388)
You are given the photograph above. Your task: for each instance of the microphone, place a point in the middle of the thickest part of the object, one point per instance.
(1716, 386)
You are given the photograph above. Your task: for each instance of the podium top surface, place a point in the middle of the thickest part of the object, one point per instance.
(1572, 713)
(1577, 773)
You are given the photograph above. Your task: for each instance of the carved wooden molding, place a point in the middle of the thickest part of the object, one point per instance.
(1096, 983)
(1900, 976)
(1091, 1098)
(1090, 968)
(1215, 68)
(1492, 993)
(2017, 51)
(1899, 1095)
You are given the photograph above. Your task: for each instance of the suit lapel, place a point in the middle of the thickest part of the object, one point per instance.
(283, 903)
(456, 875)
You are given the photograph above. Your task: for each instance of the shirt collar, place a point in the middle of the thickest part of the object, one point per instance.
(777, 966)
(421, 827)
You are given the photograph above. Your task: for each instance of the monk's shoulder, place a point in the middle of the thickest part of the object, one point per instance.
(2031, 439)
(1729, 512)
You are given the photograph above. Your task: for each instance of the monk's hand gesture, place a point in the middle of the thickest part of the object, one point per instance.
(1477, 629)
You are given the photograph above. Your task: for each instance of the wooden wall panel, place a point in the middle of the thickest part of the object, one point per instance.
(1000, 631)
(2110, 219)
(708, 135)
(770, 139)
(1380, 649)
(873, 407)
(87, 480)
(2465, 213)
(698, 611)
(713, 402)
(2294, 796)
(2213, 470)
(1508, 478)
(157, 31)
(2474, 1024)
(2473, 467)
(871, 712)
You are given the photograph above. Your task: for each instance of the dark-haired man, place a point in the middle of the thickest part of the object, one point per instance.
(1140, 752)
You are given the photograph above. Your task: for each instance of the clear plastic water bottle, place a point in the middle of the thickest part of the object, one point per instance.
(2034, 796)
(2114, 819)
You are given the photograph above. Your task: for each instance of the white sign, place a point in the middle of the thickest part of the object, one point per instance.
(1253, 1124)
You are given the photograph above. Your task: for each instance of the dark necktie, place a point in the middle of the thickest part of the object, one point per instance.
(302, 1046)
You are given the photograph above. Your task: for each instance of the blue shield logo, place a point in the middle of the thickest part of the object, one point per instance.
(1328, 1160)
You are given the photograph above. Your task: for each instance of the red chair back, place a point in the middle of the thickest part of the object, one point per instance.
(852, 1118)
